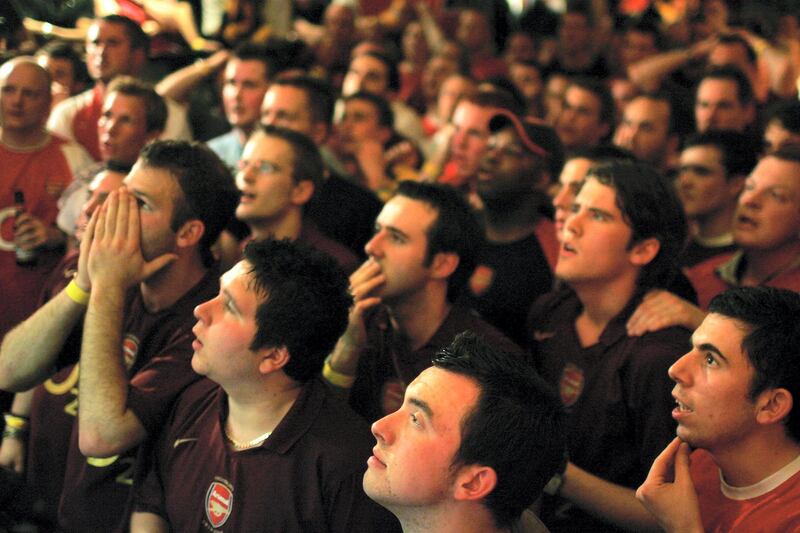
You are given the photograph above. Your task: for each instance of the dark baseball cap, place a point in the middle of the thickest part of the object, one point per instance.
(536, 137)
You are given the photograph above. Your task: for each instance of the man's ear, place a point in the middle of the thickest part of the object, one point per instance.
(302, 192)
(444, 264)
(273, 359)
(190, 233)
(735, 186)
(673, 143)
(474, 482)
(319, 133)
(773, 406)
(384, 134)
(644, 251)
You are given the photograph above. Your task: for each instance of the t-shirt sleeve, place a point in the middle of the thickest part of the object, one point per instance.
(148, 491)
(154, 388)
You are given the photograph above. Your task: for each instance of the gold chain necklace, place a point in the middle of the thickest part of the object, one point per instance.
(239, 446)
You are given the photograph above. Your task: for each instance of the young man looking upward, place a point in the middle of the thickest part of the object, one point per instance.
(261, 445)
(735, 394)
(621, 240)
(477, 437)
(145, 261)
(423, 251)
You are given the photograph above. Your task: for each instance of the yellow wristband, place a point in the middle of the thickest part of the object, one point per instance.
(76, 294)
(337, 378)
(16, 422)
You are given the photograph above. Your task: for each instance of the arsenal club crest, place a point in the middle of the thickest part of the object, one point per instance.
(130, 348)
(481, 279)
(219, 503)
(571, 384)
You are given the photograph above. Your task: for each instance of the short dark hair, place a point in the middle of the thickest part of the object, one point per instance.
(601, 92)
(209, 193)
(744, 90)
(787, 113)
(455, 230)
(385, 114)
(319, 94)
(155, 110)
(305, 303)
(771, 342)
(732, 38)
(63, 50)
(307, 160)
(137, 37)
(738, 157)
(667, 98)
(646, 26)
(789, 151)
(516, 427)
(392, 73)
(650, 206)
(599, 153)
(248, 51)
(495, 97)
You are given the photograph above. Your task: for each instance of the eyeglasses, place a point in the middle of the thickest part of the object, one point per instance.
(262, 166)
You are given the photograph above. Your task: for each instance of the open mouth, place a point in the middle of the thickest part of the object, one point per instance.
(682, 407)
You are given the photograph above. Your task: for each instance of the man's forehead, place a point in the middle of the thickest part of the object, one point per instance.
(506, 135)
(725, 333)
(241, 269)
(599, 192)
(447, 395)
(267, 147)
(778, 171)
(407, 210)
(25, 72)
(285, 96)
(108, 29)
(575, 170)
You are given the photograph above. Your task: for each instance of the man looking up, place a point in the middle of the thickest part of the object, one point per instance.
(39, 166)
(115, 45)
(713, 168)
(263, 418)
(647, 130)
(515, 264)
(724, 101)
(376, 73)
(587, 114)
(246, 79)
(420, 258)
(144, 263)
(735, 394)
(278, 173)
(133, 114)
(472, 446)
(577, 164)
(766, 230)
(783, 125)
(621, 239)
(343, 211)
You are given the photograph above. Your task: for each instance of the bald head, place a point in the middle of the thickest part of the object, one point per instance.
(24, 95)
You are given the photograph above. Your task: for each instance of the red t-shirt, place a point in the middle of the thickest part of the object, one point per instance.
(772, 505)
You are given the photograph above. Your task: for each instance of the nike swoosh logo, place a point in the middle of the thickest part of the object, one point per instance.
(178, 442)
(543, 335)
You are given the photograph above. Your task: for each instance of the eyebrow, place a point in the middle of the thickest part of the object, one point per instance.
(708, 347)
(142, 195)
(231, 301)
(422, 405)
(606, 214)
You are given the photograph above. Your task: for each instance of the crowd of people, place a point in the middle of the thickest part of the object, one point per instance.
(551, 257)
